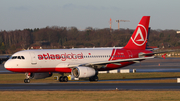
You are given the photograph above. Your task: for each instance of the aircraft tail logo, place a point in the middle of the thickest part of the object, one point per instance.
(139, 38)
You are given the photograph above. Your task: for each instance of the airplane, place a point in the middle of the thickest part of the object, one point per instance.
(82, 62)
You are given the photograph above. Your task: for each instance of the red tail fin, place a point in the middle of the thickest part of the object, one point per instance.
(139, 38)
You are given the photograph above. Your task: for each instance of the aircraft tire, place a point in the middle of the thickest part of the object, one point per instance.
(94, 78)
(61, 79)
(26, 81)
(65, 79)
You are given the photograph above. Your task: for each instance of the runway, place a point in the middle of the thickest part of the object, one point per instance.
(91, 86)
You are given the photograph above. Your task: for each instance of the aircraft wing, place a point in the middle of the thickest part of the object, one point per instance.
(117, 62)
(147, 54)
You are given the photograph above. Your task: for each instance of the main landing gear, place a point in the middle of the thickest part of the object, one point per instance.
(27, 80)
(63, 78)
(94, 78)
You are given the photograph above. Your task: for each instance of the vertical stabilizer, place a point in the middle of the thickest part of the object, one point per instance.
(139, 38)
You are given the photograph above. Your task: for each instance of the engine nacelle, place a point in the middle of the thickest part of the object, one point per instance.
(83, 72)
(40, 75)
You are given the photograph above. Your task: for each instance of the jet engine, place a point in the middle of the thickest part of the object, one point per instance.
(83, 72)
(40, 75)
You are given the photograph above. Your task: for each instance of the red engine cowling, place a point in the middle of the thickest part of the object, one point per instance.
(40, 75)
(83, 72)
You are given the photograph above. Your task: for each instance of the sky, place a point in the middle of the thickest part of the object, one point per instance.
(22, 14)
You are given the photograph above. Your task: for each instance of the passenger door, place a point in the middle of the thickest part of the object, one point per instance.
(33, 58)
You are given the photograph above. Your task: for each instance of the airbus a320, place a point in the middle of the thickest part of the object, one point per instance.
(81, 62)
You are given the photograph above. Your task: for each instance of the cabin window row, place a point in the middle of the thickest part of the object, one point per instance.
(75, 57)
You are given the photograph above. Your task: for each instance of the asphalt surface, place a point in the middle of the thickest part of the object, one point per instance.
(91, 86)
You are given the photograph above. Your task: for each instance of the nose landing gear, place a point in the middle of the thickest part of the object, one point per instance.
(27, 80)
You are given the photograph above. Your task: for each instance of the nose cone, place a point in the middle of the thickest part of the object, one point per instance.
(7, 65)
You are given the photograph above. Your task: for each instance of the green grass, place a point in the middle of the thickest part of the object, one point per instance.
(90, 95)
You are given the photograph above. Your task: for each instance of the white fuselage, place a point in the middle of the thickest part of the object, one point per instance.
(53, 60)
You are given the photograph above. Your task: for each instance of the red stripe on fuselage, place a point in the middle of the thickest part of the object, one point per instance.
(111, 54)
(37, 70)
(119, 54)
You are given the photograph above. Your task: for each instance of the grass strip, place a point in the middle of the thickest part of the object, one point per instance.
(90, 95)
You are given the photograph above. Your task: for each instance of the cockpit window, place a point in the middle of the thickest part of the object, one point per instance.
(17, 57)
(22, 57)
(14, 57)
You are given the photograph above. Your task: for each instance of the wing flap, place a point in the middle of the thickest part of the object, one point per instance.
(147, 54)
(120, 60)
(117, 62)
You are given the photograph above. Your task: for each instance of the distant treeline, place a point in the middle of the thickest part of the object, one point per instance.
(63, 37)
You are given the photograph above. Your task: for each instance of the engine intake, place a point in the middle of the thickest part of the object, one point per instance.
(83, 72)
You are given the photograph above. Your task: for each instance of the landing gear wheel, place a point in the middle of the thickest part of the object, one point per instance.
(94, 78)
(63, 79)
(26, 81)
